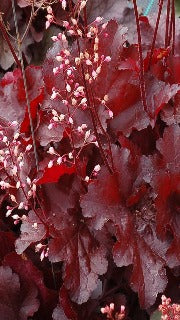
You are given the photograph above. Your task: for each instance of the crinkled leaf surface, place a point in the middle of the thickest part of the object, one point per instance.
(58, 313)
(30, 232)
(171, 113)
(45, 136)
(16, 303)
(132, 215)
(167, 204)
(131, 118)
(169, 147)
(107, 9)
(102, 202)
(159, 94)
(31, 276)
(83, 259)
(105, 201)
(107, 194)
(139, 247)
(12, 92)
(61, 196)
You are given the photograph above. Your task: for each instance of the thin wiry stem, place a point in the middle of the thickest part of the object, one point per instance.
(93, 117)
(103, 131)
(171, 33)
(142, 81)
(93, 99)
(29, 22)
(155, 32)
(71, 128)
(167, 23)
(25, 84)
(5, 35)
(33, 14)
(170, 30)
(173, 26)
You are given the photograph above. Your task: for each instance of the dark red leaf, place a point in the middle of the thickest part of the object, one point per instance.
(30, 276)
(108, 193)
(102, 202)
(50, 80)
(10, 84)
(136, 196)
(84, 260)
(167, 203)
(25, 125)
(169, 147)
(44, 135)
(5, 6)
(174, 67)
(17, 302)
(139, 245)
(158, 94)
(34, 81)
(80, 218)
(171, 112)
(16, 101)
(54, 173)
(158, 55)
(59, 197)
(7, 243)
(108, 9)
(32, 230)
(58, 313)
(67, 304)
(134, 117)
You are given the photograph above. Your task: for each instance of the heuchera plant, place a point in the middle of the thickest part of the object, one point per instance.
(90, 169)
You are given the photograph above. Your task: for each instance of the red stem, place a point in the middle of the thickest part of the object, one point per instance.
(170, 30)
(155, 32)
(71, 9)
(5, 36)
(103, 131)
(71, 127)
(93, 117)
(173, 26)
(142, 81)
(167, 23)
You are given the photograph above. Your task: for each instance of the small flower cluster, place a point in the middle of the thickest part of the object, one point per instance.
(50, 17)
(94, 173)
(43, 249)
(72, 97)
(60, 159)
(12, 160)
(69, 65)
(79, 73)
(80, 5)
(169, 311)
(111, 314)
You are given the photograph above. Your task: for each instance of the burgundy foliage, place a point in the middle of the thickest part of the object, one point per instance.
(90, 199)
